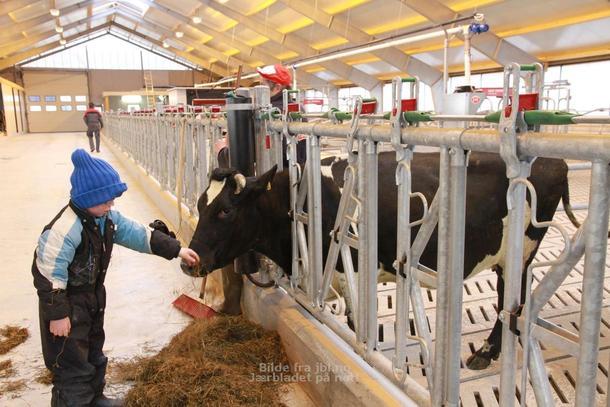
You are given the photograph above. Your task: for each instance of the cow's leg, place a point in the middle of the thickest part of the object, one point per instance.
(349, 307)
(492, 345)
(481, 359)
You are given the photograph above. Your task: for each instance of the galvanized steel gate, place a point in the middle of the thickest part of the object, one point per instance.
(397, 329)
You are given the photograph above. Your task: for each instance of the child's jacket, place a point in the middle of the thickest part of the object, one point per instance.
(74, 250)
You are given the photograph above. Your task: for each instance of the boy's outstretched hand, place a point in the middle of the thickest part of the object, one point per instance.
(188, 256)
(60, 327)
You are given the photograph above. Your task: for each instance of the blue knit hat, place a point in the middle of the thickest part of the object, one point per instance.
(93, 180)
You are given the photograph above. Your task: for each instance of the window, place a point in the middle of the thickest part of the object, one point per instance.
(49, 98)
(81, 108)
(34, 98)
(346, 95)
(80, 98)
(65, 98)
(50, 108)
(66, 108)
(35, 108)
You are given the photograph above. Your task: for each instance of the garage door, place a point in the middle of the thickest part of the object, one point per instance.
(56, 101)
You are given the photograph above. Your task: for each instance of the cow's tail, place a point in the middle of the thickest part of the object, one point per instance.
(565, 200)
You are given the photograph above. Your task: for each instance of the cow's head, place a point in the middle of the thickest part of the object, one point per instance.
(229, 221)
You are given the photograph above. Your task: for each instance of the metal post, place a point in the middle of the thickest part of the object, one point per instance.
(314, 214)
(540, 381)
(593, 284)
(457, 215)
(370, 216)
(512, 285)
(261, 101)
(442, 292)
(403, 259)
(361, 319)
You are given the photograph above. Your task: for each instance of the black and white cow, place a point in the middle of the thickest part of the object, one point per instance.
(238, 214)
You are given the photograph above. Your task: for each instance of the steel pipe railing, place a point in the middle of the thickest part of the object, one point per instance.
(158, 143)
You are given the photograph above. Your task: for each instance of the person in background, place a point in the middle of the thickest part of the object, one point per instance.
(93, 120)
(278, 78)
(69, 268)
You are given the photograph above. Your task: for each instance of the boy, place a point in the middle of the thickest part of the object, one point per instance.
(69, 268)
(93, 120)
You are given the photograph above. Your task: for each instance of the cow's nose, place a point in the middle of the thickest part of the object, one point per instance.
(189, 270)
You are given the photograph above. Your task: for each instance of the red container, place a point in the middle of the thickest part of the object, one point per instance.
(369, 107)
(293, 107)
(408, 105)
(527, 101)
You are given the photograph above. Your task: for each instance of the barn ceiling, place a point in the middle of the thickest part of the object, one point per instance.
(222, 35)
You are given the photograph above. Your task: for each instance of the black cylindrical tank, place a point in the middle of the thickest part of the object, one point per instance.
(240, 126)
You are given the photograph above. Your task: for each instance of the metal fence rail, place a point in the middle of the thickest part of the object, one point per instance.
(176, 151)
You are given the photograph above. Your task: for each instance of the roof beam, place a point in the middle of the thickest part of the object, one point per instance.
(393, 56)
(89, 14)
(185, 40)
(9, 6)
(186, 55)
(247, 50)
(16, 59)
(29, 41)
(295, 43)
(494, 47)
(45, 18)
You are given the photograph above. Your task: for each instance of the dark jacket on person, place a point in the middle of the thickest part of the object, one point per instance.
(93, 119)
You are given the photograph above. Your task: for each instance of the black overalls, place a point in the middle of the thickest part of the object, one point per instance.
(77, 361)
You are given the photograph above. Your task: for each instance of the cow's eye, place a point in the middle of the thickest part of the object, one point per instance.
(224, 213)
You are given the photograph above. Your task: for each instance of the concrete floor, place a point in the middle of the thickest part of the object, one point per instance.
(140, 319)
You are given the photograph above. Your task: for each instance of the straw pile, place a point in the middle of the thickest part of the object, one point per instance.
(210, 363)
(12, 336)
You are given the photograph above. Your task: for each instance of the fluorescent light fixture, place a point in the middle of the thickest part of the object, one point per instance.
(131, 98)
(59, 29)
(54, 12)
(377, 45)
(179, 34)
(196, 19)
(62, 41)
(165, 44)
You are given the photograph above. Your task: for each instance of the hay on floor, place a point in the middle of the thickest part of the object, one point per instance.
(6, 369)
(12, 387)
(121, 371)
(45, 376)
(12, 336)
(211, 363)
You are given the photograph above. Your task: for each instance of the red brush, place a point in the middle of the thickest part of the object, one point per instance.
(194, 308)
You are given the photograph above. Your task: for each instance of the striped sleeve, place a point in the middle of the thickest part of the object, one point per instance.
(130, 233)
(57, 247)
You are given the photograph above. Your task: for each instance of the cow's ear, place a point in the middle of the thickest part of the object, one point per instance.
(261, 183)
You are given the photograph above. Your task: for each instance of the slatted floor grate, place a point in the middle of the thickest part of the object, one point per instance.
(481, 388)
